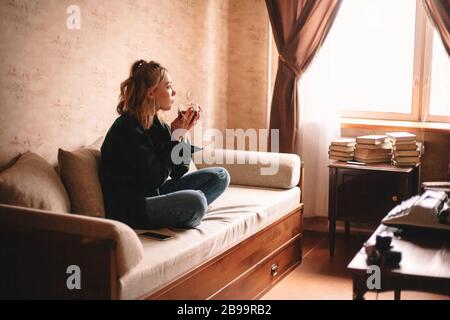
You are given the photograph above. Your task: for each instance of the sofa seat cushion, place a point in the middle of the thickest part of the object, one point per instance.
(234, 216)
(32, 182)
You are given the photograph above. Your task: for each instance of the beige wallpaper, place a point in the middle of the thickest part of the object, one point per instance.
(59, 87)
(248, 72)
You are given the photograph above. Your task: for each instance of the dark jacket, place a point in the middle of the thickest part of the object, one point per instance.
(135, 163)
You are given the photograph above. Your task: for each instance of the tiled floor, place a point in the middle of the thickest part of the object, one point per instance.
(321, 277)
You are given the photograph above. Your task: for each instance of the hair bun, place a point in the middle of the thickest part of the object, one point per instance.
(137, 65)
(140, 63)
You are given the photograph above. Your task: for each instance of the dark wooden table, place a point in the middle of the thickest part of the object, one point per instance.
(425, 265)
(365, 194)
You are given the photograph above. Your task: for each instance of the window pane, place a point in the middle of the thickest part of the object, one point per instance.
(372, 43)
(440, 79)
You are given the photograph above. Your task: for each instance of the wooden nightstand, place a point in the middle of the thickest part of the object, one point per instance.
(365, 194)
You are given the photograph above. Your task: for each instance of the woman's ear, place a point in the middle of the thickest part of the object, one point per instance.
(150, 93)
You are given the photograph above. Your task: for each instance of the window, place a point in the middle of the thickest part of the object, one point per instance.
(387, 64)
(439, 95)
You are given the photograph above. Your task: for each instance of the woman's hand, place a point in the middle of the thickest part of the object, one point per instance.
(186, 119)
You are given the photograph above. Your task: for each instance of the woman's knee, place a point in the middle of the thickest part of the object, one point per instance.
(222, 176)
(197, 206)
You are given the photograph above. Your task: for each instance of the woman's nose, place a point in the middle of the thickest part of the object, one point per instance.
(174, 93)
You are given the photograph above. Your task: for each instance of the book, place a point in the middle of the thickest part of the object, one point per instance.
(401, 136)
(373, 151)
(341, 154)
(407, 159)
(404, 164)
(398, 143)
(386, 145)
(406, 153)
(406, 147)
(371, 139)
(341, 158)
(348, 142)
(341, 148)
(373, 156)
(373, 160)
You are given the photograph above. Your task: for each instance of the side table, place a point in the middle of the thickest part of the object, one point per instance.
(365, 194)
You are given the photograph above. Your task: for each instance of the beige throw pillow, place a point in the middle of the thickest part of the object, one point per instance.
(32, 182)
(79, 171)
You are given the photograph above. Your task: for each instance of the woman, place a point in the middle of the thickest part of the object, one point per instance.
(137, 158)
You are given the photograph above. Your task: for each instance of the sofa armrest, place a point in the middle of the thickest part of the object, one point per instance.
(254, 168)
(128, 248)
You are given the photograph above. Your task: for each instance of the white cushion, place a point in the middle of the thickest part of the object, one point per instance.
(252, 168)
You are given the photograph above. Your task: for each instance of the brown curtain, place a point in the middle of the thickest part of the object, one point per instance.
(438, 11)
(299, 28)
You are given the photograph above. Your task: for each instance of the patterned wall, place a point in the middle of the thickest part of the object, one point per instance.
(59, 87)
(247, 82)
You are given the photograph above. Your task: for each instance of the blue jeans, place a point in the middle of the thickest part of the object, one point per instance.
(182, 203)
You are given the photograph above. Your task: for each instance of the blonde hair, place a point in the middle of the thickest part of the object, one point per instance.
(133, 91)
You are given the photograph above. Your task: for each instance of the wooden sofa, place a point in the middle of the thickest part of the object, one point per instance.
(37, 246)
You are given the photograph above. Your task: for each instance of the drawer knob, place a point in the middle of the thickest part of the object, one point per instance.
(274, 270)
(394, 198)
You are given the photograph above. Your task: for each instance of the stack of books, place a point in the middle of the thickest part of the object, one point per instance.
(342, 149)
(373, 149)
(407, 150)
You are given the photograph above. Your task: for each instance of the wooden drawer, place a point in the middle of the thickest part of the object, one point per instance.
(265, 275)
(205, 281)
